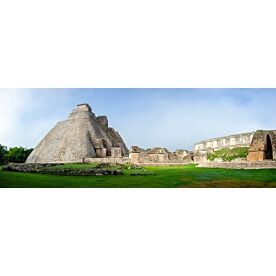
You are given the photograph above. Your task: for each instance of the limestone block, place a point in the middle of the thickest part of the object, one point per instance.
(101, 152)
(134, 157)
(116, 152)
(255, 156)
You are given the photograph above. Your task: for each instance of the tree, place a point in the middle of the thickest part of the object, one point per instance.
(3, 152)
(17, 155)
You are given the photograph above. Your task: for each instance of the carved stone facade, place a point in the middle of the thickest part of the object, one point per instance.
(231, 141)
(81, 136)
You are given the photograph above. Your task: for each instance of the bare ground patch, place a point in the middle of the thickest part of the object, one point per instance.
(230, 184)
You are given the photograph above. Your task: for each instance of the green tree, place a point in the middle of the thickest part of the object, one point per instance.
(17, 155)
(3, 152)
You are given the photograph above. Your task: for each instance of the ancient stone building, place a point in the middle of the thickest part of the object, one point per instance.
(263, 146)
(159, 155)
(231, 141)
(81, 136)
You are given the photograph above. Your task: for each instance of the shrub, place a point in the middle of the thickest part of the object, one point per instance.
(17, 155)
(229, 154)
(3, 152)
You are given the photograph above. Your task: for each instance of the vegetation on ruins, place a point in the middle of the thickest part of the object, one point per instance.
(157, 177)
(13, 154)
(228, 155)
(75, 169)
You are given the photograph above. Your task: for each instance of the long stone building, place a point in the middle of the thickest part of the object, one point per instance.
(231, 141)
(81, 136)
(261, 144)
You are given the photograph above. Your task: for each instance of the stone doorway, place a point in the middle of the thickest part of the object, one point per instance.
(269, 151)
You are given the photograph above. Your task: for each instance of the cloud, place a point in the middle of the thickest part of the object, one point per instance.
(172, 118)
(181, 120)
(12, 104)
(27, 115)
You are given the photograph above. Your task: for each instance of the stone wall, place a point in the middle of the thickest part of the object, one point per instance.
(108, 160)
(159, 155)
(263, 146)
(200, 156)
(231, 141)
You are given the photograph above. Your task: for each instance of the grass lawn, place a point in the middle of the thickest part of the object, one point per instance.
(163, 177)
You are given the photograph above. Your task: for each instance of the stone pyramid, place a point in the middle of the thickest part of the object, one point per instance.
(81, 136)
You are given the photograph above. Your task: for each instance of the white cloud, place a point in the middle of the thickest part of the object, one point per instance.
(168, 121)
(179, 124)
(12, 104)
(26, 116)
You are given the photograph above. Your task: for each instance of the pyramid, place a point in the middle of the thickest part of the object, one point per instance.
(81, 136)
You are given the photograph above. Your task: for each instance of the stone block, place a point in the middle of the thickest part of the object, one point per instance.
(101, 152)
(254, 156)
(116, 152)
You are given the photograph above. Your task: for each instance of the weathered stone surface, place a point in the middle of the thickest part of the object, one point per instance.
(232, 141)
(159, 155)
(116, 152)
(108, 160)
(263, 146)
(136, 149)
(200, 157)
(23, 167)
(81, 136)
(53, 170)
(261, 143)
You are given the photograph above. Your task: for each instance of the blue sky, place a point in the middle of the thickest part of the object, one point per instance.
(172, 118)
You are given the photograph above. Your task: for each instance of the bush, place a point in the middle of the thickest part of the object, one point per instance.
(3, 152)
(228, 155)
(17, 155)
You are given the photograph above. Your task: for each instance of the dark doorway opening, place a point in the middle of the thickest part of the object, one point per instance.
(269, 151)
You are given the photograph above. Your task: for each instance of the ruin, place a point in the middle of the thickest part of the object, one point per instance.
(231, 141)
(159, 156)
(84, 137)
(81, 136)
(203, 148)
(263, 146)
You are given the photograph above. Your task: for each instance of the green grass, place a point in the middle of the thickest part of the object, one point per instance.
(164, 177)
(229, 154)
(76, 166)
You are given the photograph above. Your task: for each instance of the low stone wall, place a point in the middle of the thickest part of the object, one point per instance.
(159, 156)
(28, 167)
(165, 164)
(108, 160)
(54, 170)
(239, 165)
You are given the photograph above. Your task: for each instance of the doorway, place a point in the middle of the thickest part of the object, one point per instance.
(269, 151)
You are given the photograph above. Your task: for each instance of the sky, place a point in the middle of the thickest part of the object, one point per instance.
(171, 118)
